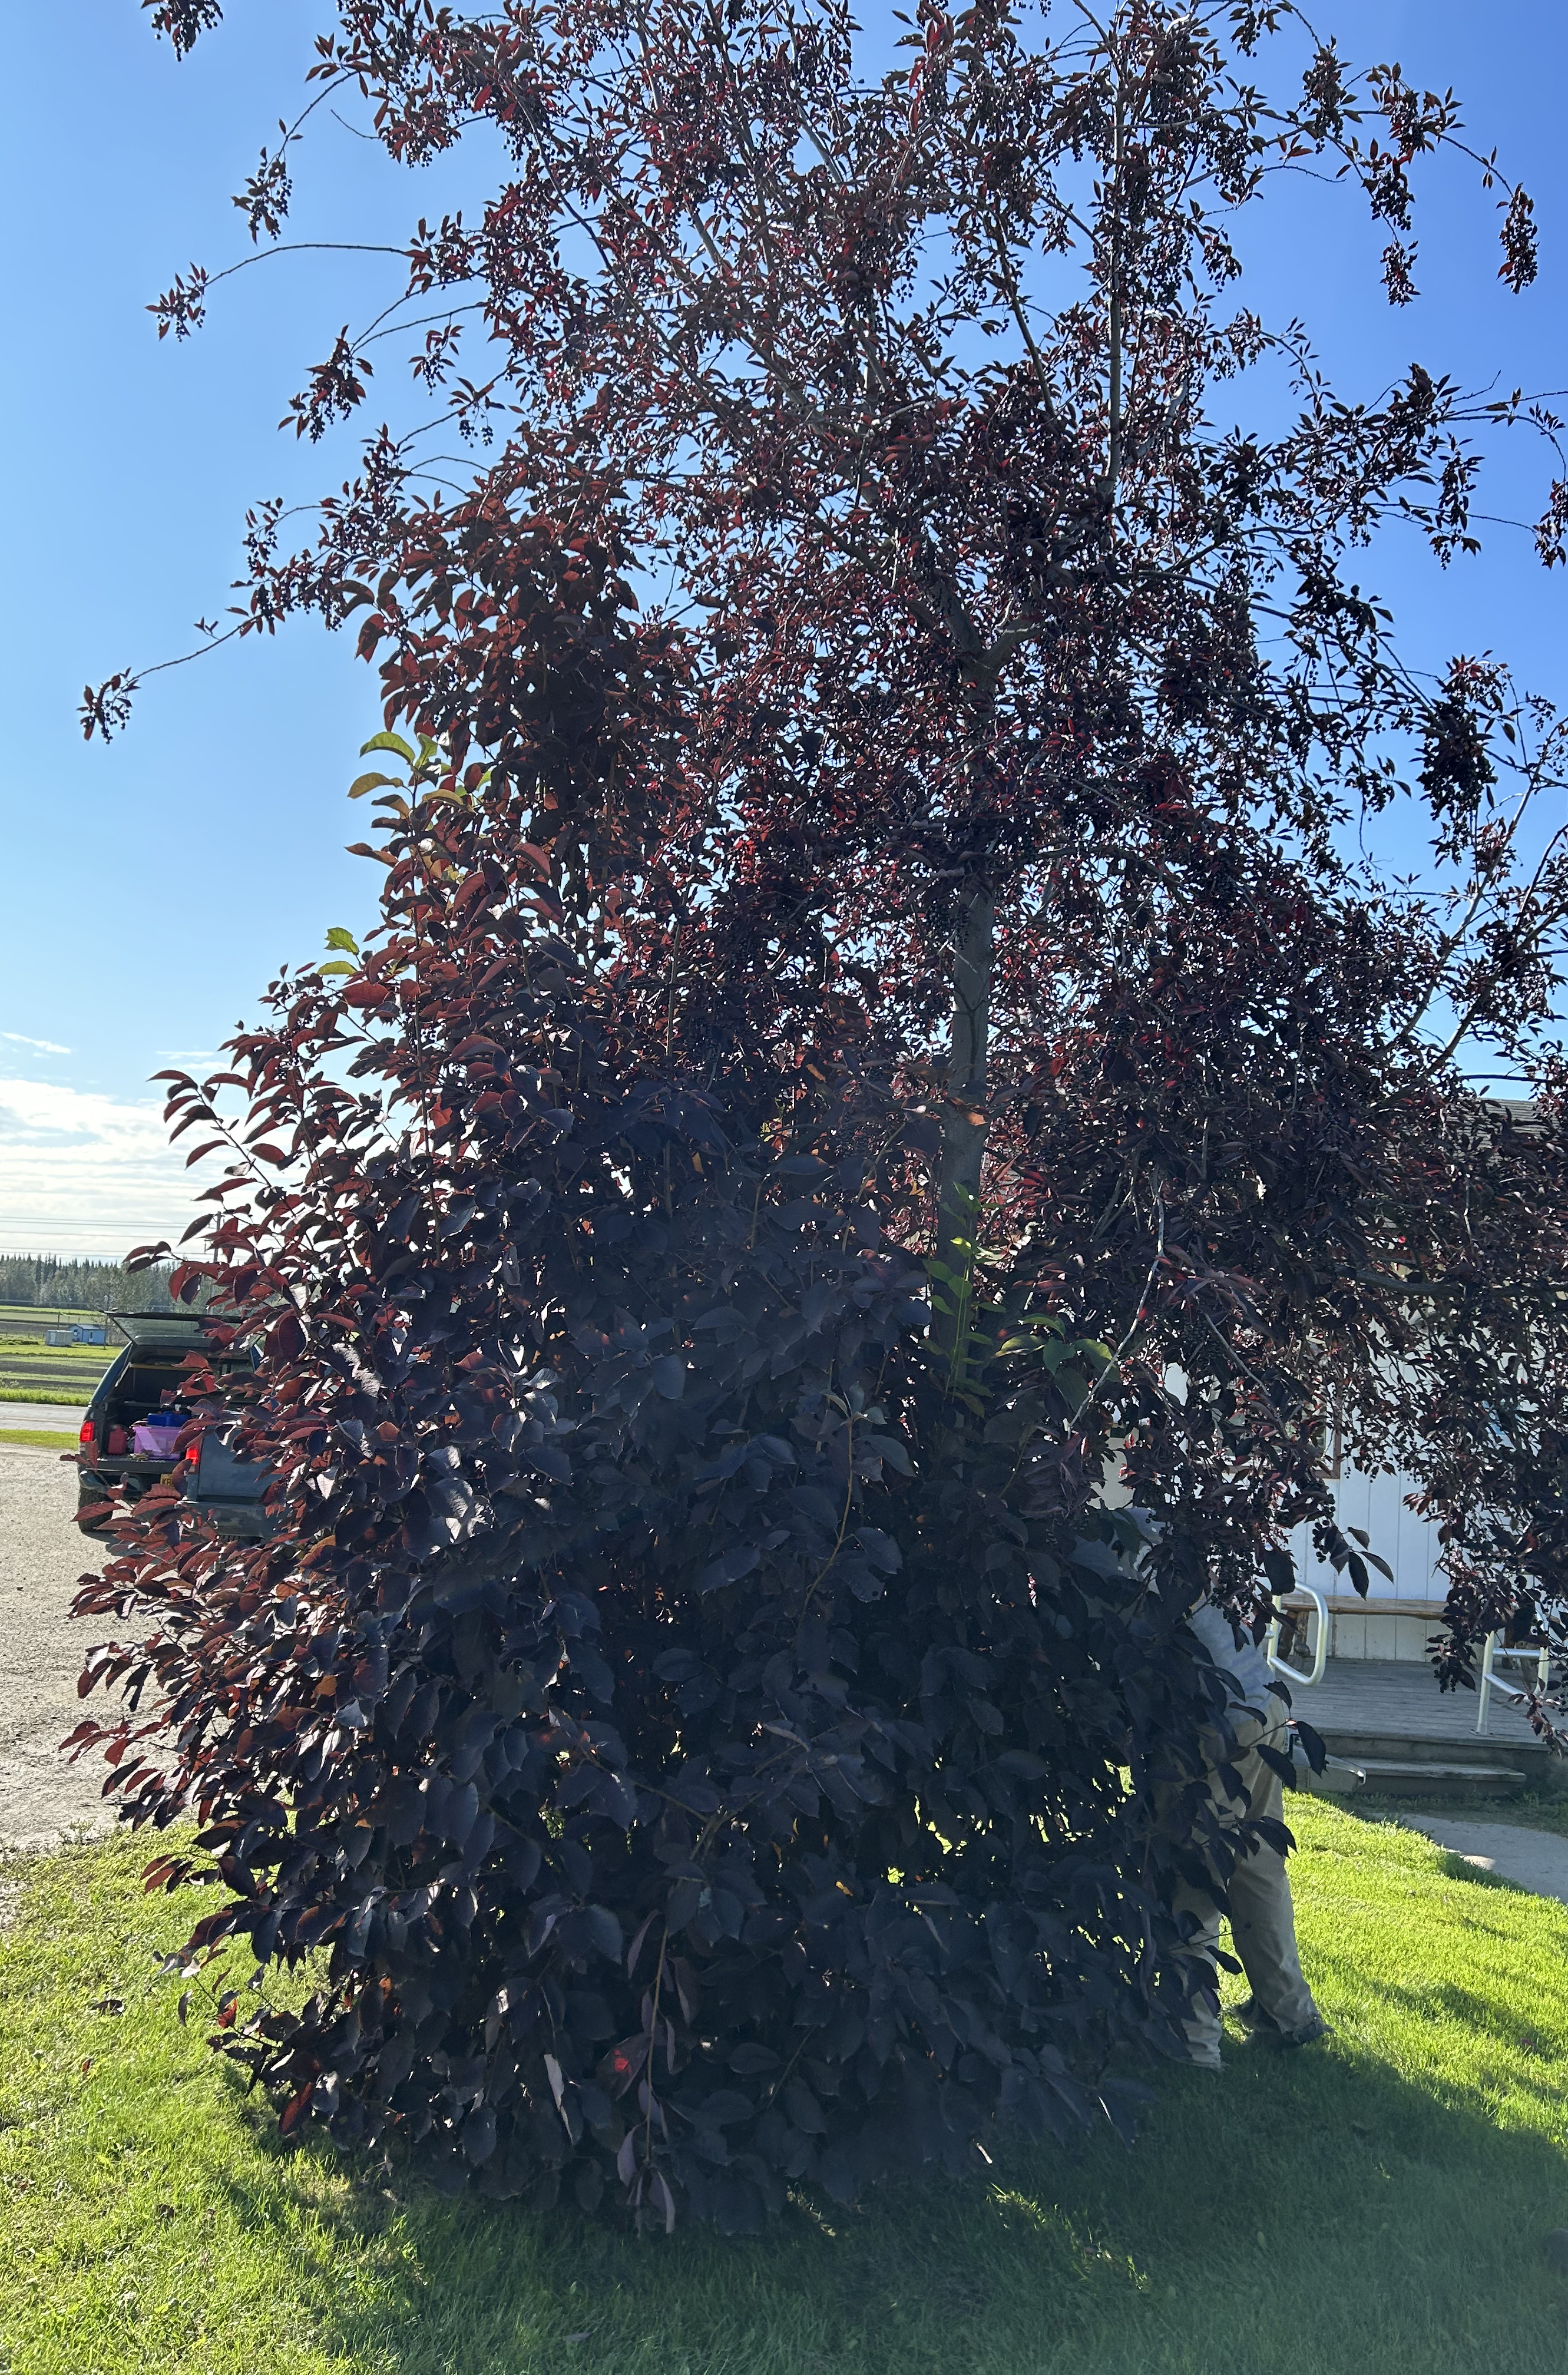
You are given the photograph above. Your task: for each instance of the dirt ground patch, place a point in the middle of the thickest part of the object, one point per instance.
(41, 1556)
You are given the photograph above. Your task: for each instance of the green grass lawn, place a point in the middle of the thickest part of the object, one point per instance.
(15, 1389)
(1538, 1810)
(49, 1376)
(32, 1371)
(40, 1438)
(33, 1353)
(1373, 2203)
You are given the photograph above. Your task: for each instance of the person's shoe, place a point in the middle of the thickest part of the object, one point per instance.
(1308, 2034)
(1265, 2029)
(1267, 2034)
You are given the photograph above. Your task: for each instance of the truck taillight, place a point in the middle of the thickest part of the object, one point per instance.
(89, 1430)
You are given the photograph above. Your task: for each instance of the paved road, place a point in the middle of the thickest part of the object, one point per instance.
(41, 1554)
(1537, 1859)
(60, 1418)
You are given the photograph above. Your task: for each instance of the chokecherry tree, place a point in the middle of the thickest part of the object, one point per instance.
(872, 1024)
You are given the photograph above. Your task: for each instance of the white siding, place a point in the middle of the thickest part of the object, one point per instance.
(1376, 1504)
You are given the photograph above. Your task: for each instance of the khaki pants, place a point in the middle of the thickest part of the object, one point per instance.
(1263, 1921)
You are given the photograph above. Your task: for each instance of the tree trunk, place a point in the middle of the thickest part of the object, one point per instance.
(964, 1117)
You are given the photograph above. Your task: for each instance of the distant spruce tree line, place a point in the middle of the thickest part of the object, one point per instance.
(46, 1280)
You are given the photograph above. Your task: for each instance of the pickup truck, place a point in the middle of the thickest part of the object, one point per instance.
(127, 1437)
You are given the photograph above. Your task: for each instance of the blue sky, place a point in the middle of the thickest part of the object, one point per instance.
(153, 886)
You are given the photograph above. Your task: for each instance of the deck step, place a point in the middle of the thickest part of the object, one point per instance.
(1406, 1777)
(1359, 1742)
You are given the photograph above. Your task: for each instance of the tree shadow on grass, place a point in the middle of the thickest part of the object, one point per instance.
(1546, 1815)
(1314, 2212)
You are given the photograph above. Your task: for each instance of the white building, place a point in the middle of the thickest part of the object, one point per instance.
(1396, 1619)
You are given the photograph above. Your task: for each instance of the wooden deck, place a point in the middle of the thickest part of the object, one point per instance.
(1379, 1705)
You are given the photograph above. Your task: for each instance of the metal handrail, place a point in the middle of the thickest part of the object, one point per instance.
(1496, 1646)
(1320, 1658)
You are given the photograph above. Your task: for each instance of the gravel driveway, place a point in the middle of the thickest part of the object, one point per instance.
(41, 1554)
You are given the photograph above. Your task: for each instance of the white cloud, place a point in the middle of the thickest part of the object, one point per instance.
(85, 1174)
(45, 1047)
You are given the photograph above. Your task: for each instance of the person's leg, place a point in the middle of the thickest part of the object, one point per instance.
(1196, 1910)
(1263, 1921)
(1200, 1974)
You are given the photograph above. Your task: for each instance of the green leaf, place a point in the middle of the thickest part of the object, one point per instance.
(363, 783)
(339, 938)
(393, 742)
(944, 1271)
(338, 965)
